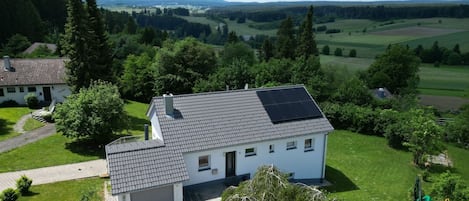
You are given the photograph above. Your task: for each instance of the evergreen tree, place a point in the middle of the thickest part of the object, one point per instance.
(232, 37)
(99, 51)
(75, 43)
(286, 39)
(267, 50)
(456, 49)
(307, 44)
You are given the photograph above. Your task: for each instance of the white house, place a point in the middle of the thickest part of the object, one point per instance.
(44, 77)
(206, 137)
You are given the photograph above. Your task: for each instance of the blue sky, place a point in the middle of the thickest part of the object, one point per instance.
(265, 1)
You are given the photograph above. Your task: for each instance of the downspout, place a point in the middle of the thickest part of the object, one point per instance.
(323, 167)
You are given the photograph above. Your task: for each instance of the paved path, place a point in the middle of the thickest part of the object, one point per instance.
(27, 138)
(55, 173)
(18, 127)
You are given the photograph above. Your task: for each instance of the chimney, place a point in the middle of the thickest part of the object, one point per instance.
(168, 104)
(246, 86)
(145, 128)
(381, 93)
(6, 63)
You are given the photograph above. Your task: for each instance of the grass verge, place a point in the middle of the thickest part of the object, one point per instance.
(67, 191)
(32, 124)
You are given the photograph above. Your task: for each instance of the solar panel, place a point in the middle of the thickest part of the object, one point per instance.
(284, 105)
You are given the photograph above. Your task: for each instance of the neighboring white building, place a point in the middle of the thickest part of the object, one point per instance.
(206, 137)
(44, 77)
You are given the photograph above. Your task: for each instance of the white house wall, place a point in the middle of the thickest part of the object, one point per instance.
(155, 125)
(58, 92)
(304, 165)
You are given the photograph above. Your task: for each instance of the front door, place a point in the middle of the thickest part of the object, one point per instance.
(47, 96)
(230, 164)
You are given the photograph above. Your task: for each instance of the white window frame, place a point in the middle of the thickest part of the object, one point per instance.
(204, 167)
(311, 145)
(271, 148)
(253, 153)
(291, 146)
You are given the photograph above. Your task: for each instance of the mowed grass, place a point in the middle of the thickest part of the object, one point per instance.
(362, 167)
(32, 124)
(59, 150)
(8, 118)
(67, 190)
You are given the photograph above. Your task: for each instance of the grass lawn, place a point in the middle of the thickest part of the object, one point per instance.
(363, 167)
(67, 190)
(8, 117)
(32, 124)
(61, 150)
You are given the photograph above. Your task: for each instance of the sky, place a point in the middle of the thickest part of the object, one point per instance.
(265, 1)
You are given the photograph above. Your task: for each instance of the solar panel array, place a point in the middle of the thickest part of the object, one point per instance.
(286, 105)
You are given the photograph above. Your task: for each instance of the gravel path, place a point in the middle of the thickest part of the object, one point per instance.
(27, 138)
(55, 173)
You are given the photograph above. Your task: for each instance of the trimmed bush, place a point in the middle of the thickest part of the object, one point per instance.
(9, 103)
(31, 100)
(23, 184)
(9, 194)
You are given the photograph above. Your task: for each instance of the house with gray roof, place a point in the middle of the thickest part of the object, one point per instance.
(43, 77)
(217, 136)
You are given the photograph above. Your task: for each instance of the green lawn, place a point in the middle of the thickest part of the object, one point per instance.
(67, 190)
(8, 118)
(61, 150)
(32, 124)
(363, 167)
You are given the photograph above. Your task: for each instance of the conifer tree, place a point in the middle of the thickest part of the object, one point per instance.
(75, 46)
(286, 39)
(99, 51)
(267, 50)
(307, 44)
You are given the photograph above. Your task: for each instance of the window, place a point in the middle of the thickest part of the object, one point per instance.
(1, 92)
(31, 89)
(309, 145)
(291, 145)
(204, 163)
(21, 89)
(271, 148)
(11, 89)
(250, 152)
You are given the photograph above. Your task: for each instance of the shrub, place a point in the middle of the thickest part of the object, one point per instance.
(9, 103)
(449, 186)
(352, 53)
(23, 184)
(326, 50)
(9, 194)
(338, 52)
(31, 100)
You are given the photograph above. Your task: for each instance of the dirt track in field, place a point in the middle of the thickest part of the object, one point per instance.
(416, 31)
(443, 103)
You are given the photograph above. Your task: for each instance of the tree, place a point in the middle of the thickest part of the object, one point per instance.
(449, 186)
(137, 80)
(15, 45)
(326, 50)
(286, 39)
(267, 50)
(232, 37)
(270, 184)
(459, 128)
(456, 49)
(307, 44)
(234, 75)
(94, 113)
(354, 91)
(181, 64)
(398, 64)
(131, 26)
(338, 52)
(425, 136)
(237, 51)
(99, 52)
(75, 46)
(352, 53)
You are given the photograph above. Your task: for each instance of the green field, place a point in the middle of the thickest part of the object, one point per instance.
(362, 167)
(442, 81)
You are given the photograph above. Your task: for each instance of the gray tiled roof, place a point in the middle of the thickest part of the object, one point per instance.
(206, 121)
(33, 72)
